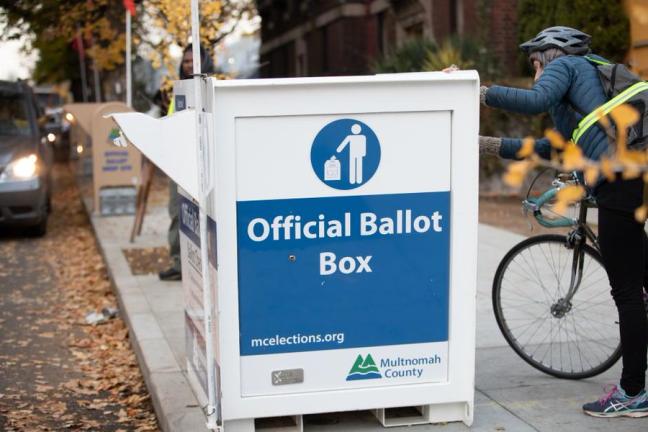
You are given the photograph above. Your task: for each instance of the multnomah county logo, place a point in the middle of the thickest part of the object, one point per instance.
(364, 368)
(115, 137)
(113, 134)
(345, 154)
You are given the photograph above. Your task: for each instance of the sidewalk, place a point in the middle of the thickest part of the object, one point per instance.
(510, 395)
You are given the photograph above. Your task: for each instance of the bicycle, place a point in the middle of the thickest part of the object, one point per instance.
(551, 294)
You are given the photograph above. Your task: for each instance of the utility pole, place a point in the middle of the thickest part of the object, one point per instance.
(82, 66)
(129, 78)
(97, 86)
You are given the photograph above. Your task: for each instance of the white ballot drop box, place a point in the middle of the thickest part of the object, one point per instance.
(115, 171)
(342, 242)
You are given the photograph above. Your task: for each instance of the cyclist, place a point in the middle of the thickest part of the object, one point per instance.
(567, 86)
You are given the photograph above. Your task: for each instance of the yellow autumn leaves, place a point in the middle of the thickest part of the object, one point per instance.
(173, 26)
(157, 27)
(567, 156)
(172, 19)
(100, 24)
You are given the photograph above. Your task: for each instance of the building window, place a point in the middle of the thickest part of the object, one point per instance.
(454, 12)
(325, 49)
(380, 32)
(456, 17)
(414, 31)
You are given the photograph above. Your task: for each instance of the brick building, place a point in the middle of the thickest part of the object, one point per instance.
(637, 11)
(344, 37)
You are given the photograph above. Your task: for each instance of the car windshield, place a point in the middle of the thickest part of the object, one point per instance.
(49, 100)
(14, 118)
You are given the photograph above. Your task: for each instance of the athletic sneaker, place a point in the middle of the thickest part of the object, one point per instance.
(616, 403)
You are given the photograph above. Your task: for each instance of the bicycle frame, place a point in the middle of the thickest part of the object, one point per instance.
(575, 239)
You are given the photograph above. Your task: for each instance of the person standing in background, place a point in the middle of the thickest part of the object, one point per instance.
(174, 273)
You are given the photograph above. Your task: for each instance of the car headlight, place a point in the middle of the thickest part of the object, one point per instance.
(24, 168)
(51, 137)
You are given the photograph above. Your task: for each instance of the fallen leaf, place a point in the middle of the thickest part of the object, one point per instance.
(516, 172)
(607, 168)
(591, 174)
(555, 138)
(568, 196)
(573, 159)
(527, 148)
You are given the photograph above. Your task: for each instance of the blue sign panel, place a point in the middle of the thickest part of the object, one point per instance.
(189, 218)
(345, 154)
(344, 272)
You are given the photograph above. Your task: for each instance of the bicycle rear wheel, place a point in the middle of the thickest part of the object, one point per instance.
(572, 340)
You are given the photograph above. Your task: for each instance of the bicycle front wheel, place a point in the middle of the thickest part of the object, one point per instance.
(572, 339)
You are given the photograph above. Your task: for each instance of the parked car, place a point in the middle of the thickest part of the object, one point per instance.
(57, 128)
(25, 160)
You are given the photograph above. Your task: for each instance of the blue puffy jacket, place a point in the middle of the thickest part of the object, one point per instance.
(568, 89)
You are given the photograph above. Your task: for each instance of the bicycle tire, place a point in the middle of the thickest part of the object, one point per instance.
(528, 252)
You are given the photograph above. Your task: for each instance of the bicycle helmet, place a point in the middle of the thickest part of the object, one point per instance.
(570, 40)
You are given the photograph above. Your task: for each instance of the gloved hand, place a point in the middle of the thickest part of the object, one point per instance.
(482, 95)
(451, 68)
(489, 145)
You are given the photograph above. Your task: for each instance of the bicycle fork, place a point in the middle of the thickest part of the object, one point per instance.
(563, 305)
(575, 241)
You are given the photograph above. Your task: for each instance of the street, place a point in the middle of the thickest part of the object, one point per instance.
(56, 371)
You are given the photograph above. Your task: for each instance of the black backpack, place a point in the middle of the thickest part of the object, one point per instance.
(621, 86)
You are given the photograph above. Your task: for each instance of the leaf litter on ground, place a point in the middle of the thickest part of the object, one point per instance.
(107, 391)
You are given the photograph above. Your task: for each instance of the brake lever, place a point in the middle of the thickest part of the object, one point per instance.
(525, 212)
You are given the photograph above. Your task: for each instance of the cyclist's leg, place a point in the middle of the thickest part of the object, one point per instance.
(622, 242)
(645, 283)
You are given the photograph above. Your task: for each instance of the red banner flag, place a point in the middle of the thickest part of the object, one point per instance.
(130, 6)
(77, 45)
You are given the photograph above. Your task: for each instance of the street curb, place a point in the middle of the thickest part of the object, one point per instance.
(175, 405)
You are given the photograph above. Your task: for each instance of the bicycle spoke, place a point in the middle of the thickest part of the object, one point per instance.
(576, 339)
(519, 300)
(592, 304)
(593, 283)
(600, 345)
(527, 279)
(550, 337)
(608, 297)
(539, 283)
(532, 264)
(565, 266)
(551, 264)
(578, 347)
(602, 336)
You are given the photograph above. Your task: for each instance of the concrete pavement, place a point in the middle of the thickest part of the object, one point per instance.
(510, 395)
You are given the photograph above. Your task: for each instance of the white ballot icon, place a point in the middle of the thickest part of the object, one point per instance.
(332, 169)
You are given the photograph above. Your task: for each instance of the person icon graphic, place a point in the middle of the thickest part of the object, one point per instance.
(338, 140)
(357, 144)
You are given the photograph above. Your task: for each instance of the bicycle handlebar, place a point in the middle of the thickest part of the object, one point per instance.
(535, 205)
